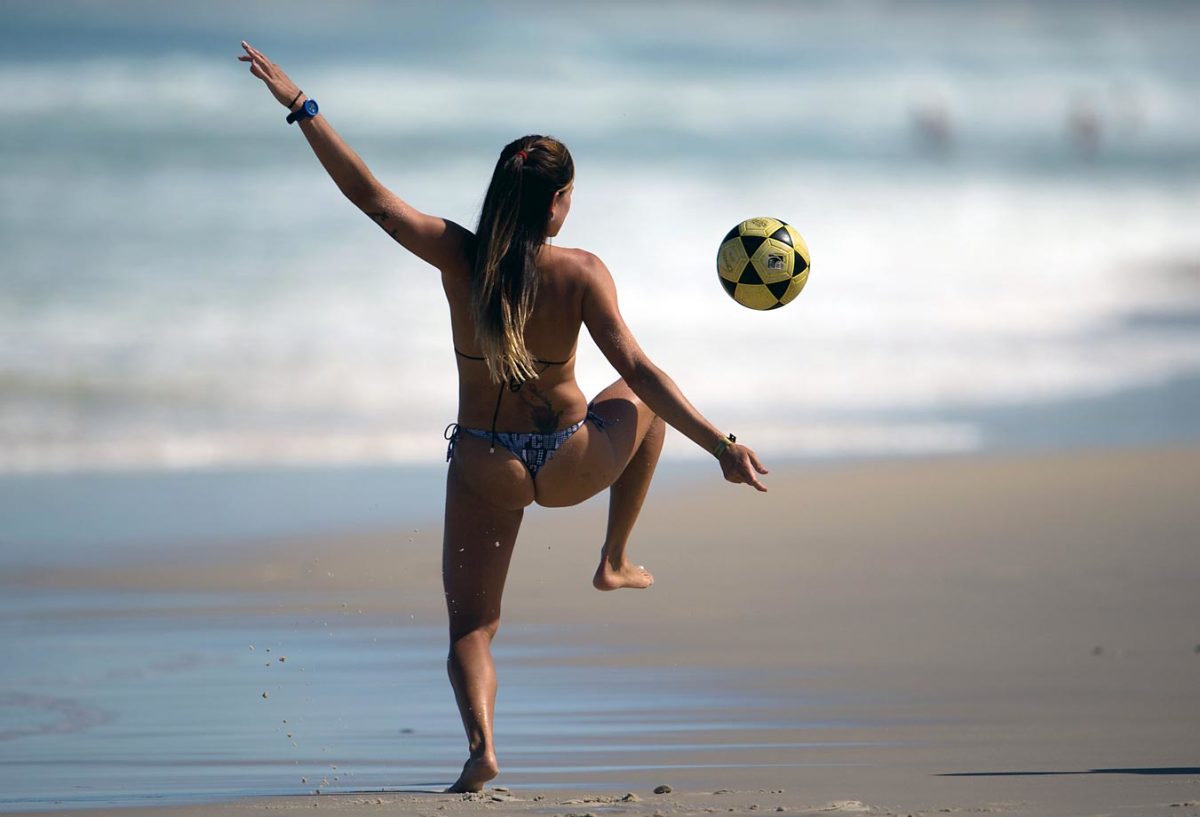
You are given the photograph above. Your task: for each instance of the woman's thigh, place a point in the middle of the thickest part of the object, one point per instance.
(593, 458)
(477, 546)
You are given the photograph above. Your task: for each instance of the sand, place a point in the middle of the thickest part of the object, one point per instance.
(1029, 625)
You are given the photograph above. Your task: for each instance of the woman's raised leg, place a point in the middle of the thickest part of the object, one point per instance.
(621, 456)
(476, 550)
(635, 435)
(625, 499)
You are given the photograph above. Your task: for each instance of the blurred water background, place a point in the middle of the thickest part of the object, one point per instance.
(1000, 200)
(201, 341)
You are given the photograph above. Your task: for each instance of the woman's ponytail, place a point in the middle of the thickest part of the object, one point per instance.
(512, 228)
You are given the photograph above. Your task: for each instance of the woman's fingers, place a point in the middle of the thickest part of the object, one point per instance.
(753, 480)
(249, 56)
(257, 69)
(262, 58)
(758, 466)
(748, 464)
(258, 57)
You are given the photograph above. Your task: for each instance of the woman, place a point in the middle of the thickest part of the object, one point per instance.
(524, 433)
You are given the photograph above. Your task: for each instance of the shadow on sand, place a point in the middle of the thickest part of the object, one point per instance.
(1153, 770)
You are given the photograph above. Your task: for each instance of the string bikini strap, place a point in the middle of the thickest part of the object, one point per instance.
(535, 360)
(495, 414)
(512, 386)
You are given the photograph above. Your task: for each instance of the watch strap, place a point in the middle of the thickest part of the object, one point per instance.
(306, 111)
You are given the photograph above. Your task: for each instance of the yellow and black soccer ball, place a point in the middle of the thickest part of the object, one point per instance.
(763, 263)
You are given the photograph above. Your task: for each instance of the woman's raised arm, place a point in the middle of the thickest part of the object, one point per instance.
(658, 391)
(435, 240)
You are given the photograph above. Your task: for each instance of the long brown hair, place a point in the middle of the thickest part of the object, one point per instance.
(512, 228)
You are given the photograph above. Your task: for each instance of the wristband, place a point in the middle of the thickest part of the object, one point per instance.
(722, 444)
(293, 102)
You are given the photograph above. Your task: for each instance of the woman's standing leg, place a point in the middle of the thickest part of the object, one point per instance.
(476, 550)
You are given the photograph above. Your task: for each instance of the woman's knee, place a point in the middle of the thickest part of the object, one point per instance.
(619, 407)
(470, 634)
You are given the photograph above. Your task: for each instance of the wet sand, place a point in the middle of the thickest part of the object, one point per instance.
(1022, 633)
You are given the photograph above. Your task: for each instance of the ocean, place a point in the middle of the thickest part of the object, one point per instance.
(999, 200)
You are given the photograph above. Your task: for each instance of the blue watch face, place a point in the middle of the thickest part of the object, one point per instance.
(310, 107)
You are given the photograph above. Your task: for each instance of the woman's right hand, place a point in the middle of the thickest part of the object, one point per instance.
(279, 84)
(739, 464)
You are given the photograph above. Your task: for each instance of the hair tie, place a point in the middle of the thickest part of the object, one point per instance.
(522, 155)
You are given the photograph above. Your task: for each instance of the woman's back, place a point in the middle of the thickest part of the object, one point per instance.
(551, 401)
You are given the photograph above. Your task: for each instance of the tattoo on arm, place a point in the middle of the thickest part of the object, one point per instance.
(380, 218)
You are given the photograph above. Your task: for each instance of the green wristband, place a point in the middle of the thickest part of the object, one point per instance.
(723, 444)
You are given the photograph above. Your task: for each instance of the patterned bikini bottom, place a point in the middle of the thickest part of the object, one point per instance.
(535, 450)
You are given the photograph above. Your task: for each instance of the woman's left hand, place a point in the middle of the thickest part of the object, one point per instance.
(282, 88)
(739, 464)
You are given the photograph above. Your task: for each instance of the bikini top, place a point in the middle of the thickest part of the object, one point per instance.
(513, 385)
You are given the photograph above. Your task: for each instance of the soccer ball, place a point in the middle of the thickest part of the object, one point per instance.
(763, 263)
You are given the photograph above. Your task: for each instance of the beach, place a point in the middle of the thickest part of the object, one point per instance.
(1017, 633)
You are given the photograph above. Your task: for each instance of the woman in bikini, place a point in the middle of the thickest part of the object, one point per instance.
(525, 433)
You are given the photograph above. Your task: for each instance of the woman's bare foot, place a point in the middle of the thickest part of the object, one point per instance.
(476, 772)
(627, 575)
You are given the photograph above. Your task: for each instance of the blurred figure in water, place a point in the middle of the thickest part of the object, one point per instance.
(933, 127)
(1084, 127)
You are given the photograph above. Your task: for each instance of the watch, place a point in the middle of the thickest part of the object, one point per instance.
(306, 111)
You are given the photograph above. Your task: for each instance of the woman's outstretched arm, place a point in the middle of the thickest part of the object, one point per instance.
(652, 384)
(432, 239)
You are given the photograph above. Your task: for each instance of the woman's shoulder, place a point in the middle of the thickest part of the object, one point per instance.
(581, 264)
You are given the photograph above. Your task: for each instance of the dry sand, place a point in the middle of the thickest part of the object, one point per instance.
(1030, 626)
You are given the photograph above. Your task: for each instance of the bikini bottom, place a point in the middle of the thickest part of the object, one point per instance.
(535, 450)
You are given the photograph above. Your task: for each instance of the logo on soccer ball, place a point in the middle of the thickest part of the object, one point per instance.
(776, 262)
